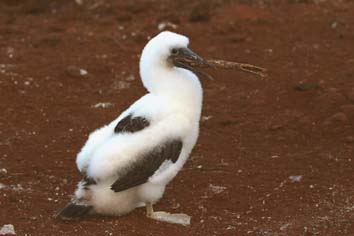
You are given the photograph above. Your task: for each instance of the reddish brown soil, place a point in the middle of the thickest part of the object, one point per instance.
(298, 122)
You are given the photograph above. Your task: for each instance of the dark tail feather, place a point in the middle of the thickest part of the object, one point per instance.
(74, 211)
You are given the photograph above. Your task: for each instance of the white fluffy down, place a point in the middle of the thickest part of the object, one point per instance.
(173, 109)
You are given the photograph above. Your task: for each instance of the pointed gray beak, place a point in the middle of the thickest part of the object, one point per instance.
(187, 59)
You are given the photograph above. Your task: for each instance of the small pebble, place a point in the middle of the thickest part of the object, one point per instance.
(284, 226)
(3, 172)
(166, 25)
(103, 105)
(334, 24)
(295, 178)
(205, 118)
(216, 189)
(75, 71)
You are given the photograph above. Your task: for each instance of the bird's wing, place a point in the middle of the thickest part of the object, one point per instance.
(147, 165)
(131, 124)
(128, 124)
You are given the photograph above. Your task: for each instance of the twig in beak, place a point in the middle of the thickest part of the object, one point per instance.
(221, 64)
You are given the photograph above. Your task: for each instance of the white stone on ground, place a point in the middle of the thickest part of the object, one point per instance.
(103, 105)
(295, 178)
(216, 189)
(7, 230)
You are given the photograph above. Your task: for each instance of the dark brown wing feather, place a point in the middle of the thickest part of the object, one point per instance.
(74, 211)
(131, 124)
(140, 172)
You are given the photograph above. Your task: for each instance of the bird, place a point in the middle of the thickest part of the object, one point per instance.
(128, 163)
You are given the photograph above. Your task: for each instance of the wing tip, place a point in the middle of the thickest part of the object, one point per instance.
(73, 211)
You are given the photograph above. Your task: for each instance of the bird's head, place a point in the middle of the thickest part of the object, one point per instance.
(169, 51)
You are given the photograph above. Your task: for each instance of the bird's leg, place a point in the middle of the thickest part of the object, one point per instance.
(178, 218)
(149, 210)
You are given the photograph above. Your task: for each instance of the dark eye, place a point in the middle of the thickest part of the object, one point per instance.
(174, 51)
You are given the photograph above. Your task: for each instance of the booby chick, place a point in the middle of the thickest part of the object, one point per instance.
(129, 162)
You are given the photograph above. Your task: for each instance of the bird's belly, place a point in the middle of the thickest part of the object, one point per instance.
(107, 202)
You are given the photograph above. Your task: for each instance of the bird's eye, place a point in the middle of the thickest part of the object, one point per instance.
(174, 51)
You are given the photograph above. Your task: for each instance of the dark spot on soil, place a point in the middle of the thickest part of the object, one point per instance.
(201, 12)
(306, 86)
(47, 42)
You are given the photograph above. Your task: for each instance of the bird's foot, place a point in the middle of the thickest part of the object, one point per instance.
(178, 218)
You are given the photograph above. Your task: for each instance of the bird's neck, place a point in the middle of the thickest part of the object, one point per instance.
(179, 86)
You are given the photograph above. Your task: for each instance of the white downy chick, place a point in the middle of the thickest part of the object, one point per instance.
(129, 162)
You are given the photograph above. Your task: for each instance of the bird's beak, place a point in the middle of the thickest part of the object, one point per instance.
(187, 59)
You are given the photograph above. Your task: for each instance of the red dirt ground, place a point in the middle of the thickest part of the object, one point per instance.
(275, 156)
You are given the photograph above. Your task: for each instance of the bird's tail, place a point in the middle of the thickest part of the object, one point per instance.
(74, 210)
